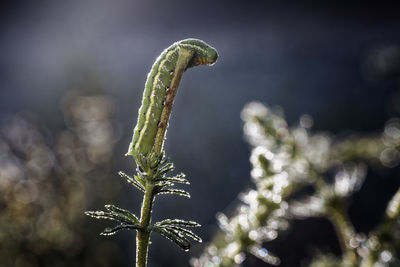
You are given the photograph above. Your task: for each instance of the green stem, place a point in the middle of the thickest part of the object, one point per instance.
(143, 235)
(345, 232)
(336, 212)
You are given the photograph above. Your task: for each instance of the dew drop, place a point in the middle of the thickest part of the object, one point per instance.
(386, 256)
(239, 258)
(186, 247)
(263, 252)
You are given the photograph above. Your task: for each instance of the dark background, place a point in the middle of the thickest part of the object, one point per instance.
(306, 57)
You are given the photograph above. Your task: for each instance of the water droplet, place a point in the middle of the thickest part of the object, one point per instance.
(253, 235)
(386, 256)
(263, 252)
(239, 258)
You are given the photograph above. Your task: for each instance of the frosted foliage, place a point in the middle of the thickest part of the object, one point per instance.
(284, 160)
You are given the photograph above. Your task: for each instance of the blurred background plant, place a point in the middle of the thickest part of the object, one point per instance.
(45, 182)
(299, 175)
(337, 62)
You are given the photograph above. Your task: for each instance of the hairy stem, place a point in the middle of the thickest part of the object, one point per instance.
(143, 235)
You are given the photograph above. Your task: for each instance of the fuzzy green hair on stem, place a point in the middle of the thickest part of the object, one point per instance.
(147, 144)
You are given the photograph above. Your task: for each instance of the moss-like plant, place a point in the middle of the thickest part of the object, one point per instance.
(153, 169)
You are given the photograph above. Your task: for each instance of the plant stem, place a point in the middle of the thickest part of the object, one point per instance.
(344, 230)
(336, 212)
(143, 235)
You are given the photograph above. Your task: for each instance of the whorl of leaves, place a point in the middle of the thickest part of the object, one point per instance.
(152, 170)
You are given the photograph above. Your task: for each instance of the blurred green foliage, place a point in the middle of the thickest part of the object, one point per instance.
(44, 185)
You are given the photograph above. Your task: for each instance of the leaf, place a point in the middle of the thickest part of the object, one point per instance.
(110, 216)
(163, 183)
(140, 179)
(137, 182)
(112, 231)
(183, 231)
(175, 179)
(126, 213)
(174, 191)
(141, 160)
(177, 222)
(181, 241)
(98, 214)
(165, 168)
(157, 160)
(163, 160)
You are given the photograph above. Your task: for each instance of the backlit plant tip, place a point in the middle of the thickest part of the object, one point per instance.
(153, 173)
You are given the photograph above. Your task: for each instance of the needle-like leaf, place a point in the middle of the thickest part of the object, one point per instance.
(111, 231)
(126, 213)
(177, 222)
(175, 191)
(182, 231)
(135, 182)
(180, 240)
